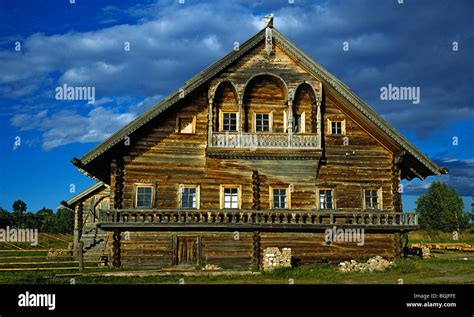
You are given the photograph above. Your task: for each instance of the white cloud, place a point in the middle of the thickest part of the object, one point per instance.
(67, 127)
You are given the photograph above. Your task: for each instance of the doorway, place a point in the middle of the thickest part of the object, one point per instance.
(187, 250)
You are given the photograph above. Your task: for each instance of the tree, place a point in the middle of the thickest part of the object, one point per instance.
(5, 218)
(20, 206)
(64, 220)
(441, 208)
(46, 219)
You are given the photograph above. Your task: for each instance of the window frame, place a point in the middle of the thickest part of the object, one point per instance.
(271, 198)
(178, 129)
(379, 198)
(221, 121)
(270, 122)
(333, 198)
(343, 127)
(303, 122)
(136, 186)
(222, 195)
(198, 195)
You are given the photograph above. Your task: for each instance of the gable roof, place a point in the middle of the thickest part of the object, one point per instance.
(86, 193)
(305, 61)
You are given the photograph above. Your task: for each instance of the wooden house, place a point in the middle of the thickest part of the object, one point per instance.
(264, 148)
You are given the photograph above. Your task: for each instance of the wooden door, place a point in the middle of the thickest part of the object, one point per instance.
(187, 251)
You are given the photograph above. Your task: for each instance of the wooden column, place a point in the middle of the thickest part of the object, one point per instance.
(396, 175)
(77, 228)
(210, 122)
(117, 169)
(319, 131)
(255, 191)
(241, 115)
(256, 250)
(116, 250)
(290, 122)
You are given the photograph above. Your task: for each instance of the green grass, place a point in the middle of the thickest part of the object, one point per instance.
(449, 269)
(439, 237)
(446, 267)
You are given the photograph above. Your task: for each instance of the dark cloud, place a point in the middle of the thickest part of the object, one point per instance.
(406, 44)
(460, 176)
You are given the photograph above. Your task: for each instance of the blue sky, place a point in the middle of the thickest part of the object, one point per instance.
(82, 44)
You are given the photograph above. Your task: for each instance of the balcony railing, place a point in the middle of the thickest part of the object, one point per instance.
(256, 219)
(265, 140)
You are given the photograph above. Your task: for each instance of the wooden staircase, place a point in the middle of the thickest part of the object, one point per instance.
(95, 242)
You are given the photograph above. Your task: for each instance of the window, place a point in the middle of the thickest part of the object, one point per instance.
(298, 123)
(337, 127)
(189, 196)
(230, 197)
(372, 199)
(229, 121)
(262, 122)
(144, 196)
(326, 199)
(280, 197)
(186, 125)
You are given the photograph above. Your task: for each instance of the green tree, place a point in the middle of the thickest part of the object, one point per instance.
(19, 205)
(64, 220)
(5, 218)
(441, 208)
(46, 219)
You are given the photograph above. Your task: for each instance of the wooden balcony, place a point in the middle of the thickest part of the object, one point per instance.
(250, 220)
(253, 141)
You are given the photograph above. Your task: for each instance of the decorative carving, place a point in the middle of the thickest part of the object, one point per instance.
(264, 140)
(268, 41)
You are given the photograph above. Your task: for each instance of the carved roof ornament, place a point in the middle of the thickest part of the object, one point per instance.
(268, 34)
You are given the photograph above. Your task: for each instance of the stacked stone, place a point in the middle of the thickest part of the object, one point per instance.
(376, 263)
(211, 267)
(425, 252)
(285, 257)
(274, 258)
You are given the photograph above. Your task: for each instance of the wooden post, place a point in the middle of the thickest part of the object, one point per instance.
(76, 230)
(80, 253)
(290, 122)
(116, 250)
(319, 132)
(255, 191)
(210, 122)
(256, 250)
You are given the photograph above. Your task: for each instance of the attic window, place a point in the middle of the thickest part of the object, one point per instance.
(337, 127)
(186, 125)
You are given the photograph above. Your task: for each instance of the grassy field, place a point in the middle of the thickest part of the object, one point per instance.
(446, 267)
